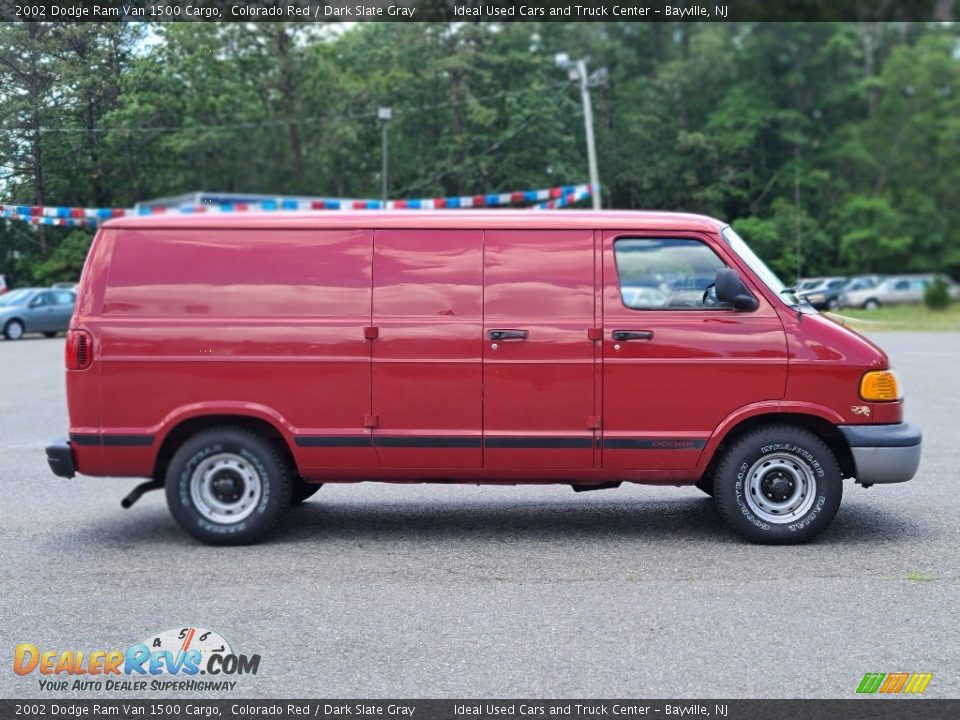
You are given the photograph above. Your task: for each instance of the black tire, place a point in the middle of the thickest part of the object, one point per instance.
(784, 460)
(302, 490)
(243, 462)
(871, 304)
(50, 334)
(705, 484)
(13, 330)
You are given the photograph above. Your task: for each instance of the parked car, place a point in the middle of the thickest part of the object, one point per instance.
(39, 310)
(833, 299)
(487, 347)
(819, 293)
(896, 290)
(807, 284)
(71, 286)
(3, 285)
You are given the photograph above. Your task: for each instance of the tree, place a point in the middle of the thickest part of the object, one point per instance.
(832, 146)
(27, 74)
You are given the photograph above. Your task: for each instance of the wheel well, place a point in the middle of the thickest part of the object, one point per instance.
(188, 428)
(823, 429)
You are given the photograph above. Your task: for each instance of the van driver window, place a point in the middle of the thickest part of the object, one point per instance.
(671, 273)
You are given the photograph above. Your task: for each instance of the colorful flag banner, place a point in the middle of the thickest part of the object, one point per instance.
(545, 198)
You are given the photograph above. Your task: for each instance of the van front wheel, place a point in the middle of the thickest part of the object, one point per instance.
(778, 485)
(228, 486)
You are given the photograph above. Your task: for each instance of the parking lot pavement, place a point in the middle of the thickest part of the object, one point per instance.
(419, 591)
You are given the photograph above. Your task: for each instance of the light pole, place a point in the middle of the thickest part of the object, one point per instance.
(384, 114)
(578, 72)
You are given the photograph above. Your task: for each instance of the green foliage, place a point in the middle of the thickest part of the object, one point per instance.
(873, 234)
(937, 295)
(66, 261)
(831, 147)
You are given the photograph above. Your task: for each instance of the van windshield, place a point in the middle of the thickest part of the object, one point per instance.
(759, 267)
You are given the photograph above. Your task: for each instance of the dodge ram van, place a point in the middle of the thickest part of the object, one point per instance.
(240, 361)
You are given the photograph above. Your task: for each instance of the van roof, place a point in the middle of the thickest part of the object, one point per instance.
(449, 219)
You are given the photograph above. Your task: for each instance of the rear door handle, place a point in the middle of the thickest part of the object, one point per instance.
(632, 335)
(507, 334)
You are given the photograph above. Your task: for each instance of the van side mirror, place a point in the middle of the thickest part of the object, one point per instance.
(731, 290)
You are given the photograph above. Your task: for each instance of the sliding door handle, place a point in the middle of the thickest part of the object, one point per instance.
(507, 334)
(632, 335)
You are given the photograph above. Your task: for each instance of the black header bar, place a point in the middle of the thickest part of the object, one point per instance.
(478, 10)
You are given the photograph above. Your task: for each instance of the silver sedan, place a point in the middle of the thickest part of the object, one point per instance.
(41, 310)
(896, 290)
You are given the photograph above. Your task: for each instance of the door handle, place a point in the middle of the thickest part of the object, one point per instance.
(632, 335)
(507, 334)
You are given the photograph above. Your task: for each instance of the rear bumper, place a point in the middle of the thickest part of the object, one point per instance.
(60, 459)
(884, 453)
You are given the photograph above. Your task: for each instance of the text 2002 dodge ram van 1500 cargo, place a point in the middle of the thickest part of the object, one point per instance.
(240, 361)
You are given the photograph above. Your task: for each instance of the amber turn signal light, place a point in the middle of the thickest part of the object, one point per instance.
(880, 386)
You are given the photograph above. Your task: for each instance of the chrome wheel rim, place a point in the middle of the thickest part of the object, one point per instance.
(225, 488)
(15, 330)
(780, 488)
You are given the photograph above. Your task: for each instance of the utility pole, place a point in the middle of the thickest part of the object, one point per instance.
(578, 72)
(384, 114)
(588, 123)
(796, 211)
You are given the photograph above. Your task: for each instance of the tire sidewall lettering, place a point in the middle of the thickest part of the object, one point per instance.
(811, 515)
(739, 489)
(795, 449)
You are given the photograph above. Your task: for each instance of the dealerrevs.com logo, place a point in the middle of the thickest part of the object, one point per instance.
(173, 660)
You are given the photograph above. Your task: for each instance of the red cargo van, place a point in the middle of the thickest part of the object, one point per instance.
(240, 361)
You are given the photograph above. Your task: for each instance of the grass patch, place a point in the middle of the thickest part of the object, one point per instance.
(902, 317)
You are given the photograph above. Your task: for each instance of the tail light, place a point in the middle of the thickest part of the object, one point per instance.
(79, 350)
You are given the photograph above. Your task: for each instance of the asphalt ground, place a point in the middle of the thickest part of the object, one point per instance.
(374, 590)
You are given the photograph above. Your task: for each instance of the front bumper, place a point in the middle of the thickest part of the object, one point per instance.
(60, 459)
(884, 453)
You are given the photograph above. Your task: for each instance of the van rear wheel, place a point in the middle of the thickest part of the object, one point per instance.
(228, 486)
(778, 485)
